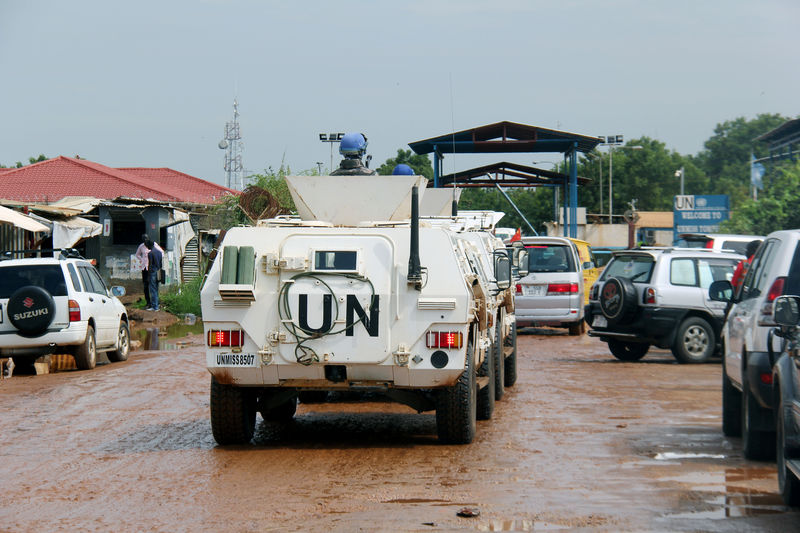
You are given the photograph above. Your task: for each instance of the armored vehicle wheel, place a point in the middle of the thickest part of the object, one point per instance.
(731, 406)
(456, 409)
(756, 444)
(499, 366)
(312, 396)
(694, 341)
(627, 351)
(788, 484)
(86, 354)
(123, 344)
(233, 413)
(510, 362)
(281, 413)
(486, 395)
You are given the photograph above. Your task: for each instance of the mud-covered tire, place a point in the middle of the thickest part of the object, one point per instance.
(233, 413)
(120, 353)
(313, 396)
(695, 341)
(617, 299)
(456, 409)
(281, 413)
(486, 395)
(756, 444)
(627, 351)
(510, 362)
(788, 484)
(731, 406)
(86, 354)
(499, 363)
(576, 329)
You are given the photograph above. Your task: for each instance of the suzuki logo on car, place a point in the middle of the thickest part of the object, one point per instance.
(353, 309)
(31, 314)
(28, 302)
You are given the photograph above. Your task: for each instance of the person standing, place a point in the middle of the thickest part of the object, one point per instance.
(141, 255)
(154, 264)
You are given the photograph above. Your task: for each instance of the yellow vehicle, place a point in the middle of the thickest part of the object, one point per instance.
(589, 266)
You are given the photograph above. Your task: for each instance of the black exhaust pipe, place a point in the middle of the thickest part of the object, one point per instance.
(414, 268)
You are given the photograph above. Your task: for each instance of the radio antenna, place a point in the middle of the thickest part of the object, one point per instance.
(454, 210)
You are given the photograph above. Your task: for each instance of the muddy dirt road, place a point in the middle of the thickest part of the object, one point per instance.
(582, 442)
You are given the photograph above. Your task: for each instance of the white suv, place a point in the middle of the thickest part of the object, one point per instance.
(659, 296)
(47, 303)
(747, 395)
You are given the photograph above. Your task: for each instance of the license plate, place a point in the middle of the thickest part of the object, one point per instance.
(599, 322)
(534, 290)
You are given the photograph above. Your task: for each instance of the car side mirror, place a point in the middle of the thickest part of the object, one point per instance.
(502, 270)
(786, 310)
(587, 265)
(721, 291)
(522, 262)
(118, 291)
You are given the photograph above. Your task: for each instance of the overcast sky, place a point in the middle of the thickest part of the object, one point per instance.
(152, 83)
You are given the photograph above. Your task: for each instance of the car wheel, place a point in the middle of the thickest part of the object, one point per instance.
(86, 354)
(617, 299)
(499, 364)
(627, 351)
(123, 344)
(788, 484)
(486, 394)
(576, 329)
(731, 406)
(233, 413)
(510, 362)
(694, 341)
(756, 444)
(456, 410)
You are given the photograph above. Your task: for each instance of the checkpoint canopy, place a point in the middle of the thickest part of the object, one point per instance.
(512, 137)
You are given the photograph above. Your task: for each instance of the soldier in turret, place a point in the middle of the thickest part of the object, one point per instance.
(353, 146)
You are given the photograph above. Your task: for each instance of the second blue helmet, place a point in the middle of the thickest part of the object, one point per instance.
(403, 170)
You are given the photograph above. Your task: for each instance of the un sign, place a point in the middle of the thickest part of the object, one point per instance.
(684, 202)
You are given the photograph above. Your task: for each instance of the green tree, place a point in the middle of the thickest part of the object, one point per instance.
(421, 163)
(726, 156)
(32, 160)
(776, 207)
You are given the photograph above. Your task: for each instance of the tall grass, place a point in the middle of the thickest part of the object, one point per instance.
(183, 298)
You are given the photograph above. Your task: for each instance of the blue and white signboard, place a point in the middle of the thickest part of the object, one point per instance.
(699, 213)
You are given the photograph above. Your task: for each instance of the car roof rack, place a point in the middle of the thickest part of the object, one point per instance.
(65, 253)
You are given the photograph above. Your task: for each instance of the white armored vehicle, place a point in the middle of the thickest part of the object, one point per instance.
(355, 294)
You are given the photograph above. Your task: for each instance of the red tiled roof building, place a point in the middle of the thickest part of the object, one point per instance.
(51, 180)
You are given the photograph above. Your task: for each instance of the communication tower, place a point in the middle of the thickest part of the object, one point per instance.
(232, 144)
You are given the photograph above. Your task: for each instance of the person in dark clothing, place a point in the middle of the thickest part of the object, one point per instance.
(353, 146)
(154, 264)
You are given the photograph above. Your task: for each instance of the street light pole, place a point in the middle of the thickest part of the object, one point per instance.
(331, 138)
(679, 172)
(611, 141)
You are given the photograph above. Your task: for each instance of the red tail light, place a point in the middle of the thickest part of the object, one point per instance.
(649, 295)
(74, 311)
(555, 289)
(444, 339)
(226, 338)
(774, 291)
(519, 288)
(710, 243)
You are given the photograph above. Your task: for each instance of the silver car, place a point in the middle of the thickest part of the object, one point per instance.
(552, 292)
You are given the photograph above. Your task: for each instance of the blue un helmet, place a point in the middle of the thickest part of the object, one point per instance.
(353, 145)
(402, 170)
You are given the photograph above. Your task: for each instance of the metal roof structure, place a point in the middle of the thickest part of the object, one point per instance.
(512, 137)
(782, 140)
(506, 175)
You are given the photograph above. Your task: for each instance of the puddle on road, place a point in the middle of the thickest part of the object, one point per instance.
(169, 338)
(729, 493)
